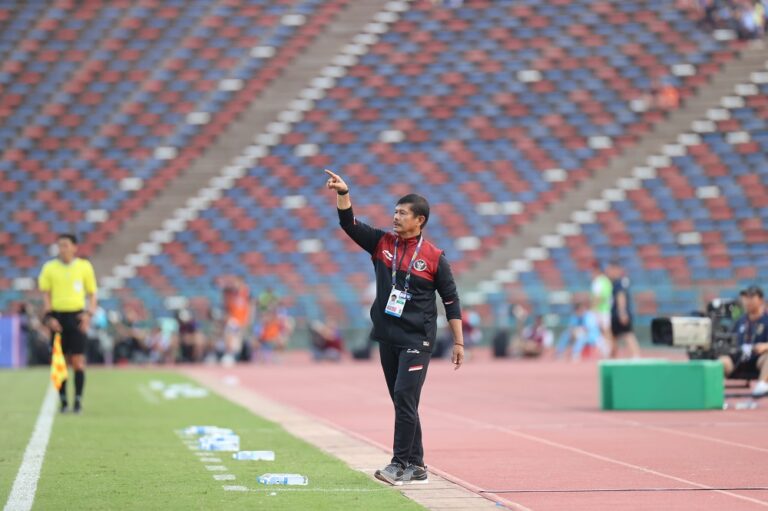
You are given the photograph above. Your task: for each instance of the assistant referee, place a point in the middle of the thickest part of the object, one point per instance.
(409, 270)
(67, 282)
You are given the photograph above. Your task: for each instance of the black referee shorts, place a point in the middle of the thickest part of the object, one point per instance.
(73, 339)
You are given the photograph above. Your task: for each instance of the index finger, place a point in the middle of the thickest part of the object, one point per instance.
(330, 173)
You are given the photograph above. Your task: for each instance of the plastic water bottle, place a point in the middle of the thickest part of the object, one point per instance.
(255, 455)
(220, 446)
(208, 430)
(219, 443)
(284, 479)
(746, 405)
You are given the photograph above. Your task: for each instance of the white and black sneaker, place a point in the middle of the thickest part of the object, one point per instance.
(760, 390)
(391, 474)
(414, 474)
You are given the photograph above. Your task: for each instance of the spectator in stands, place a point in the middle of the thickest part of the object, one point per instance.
(747, 27)
(327, 343)
(752, 333)
(602, 293)
(267, 300)
(621, 313)
(470, 325)
(751, 18)
(131, 345)
(742, 305)
(582, 331)
(363, 351)
(191, 341)
(507, 320)
(708, 10)
(759, 13)
(667, 97)
(273, 336)
(745, 17)
(237, 312)
(163, 341)
(100, 342)
(34, 334)
(536, 338)
(451, 4)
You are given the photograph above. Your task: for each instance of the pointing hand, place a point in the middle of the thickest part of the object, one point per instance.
(335, 182)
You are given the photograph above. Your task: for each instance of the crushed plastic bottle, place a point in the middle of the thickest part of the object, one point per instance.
(255, 455)
(746, 405)
(219, 443)
(220, 446)
(284, 479)
(207, 430)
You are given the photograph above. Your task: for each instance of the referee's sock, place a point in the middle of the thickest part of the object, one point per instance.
(79, 384)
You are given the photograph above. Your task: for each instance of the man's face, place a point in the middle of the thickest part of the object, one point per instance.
(67, 249)
(404, 221)
(754, 304)
(743, 300)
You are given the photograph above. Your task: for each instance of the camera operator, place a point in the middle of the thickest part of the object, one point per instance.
(752, 332)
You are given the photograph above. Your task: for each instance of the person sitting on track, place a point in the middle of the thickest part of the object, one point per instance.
(752, 332)
(582, 331)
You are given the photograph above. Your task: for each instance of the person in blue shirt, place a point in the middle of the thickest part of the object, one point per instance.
(752, 334)
(583, 330)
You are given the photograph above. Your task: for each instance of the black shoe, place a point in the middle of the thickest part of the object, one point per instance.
(64, 407)
(414, 474)
(391, 474)
(78, 407)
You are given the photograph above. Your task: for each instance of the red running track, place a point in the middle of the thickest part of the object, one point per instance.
(531, 435)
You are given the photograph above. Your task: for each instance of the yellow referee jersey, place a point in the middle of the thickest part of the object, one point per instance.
(67, 283)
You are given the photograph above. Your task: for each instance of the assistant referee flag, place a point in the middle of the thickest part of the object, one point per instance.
(59, 372)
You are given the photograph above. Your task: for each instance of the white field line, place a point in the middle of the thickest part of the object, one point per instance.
(206, 457)
(25, 486)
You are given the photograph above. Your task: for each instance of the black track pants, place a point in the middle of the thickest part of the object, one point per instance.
(405, 370)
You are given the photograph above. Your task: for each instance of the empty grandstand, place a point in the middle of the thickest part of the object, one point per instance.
(499, 111)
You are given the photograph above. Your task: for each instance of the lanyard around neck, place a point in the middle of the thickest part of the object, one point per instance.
(395, 263)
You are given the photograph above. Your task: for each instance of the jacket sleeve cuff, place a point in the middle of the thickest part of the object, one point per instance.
(452, 309)
(346, 217)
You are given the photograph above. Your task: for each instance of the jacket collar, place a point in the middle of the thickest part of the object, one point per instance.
(409, 241)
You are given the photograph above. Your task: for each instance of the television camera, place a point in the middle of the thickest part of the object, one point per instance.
(705, 335)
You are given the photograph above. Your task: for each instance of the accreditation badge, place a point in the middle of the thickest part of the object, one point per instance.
(78, 285)
(396, 303)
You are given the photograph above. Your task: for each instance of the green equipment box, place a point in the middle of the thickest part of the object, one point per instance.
(652, 384)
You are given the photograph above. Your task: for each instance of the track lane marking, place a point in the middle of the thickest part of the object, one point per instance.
(593, 455)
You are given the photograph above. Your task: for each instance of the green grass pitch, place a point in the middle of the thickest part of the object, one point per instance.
(123, 452)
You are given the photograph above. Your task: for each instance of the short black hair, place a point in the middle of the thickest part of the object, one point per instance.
(419, 206)
(754, 291)
(67, 236)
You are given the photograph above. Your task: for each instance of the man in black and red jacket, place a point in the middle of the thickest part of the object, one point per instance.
(404, 316)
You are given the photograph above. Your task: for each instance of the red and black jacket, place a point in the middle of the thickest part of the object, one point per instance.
(417, 327)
